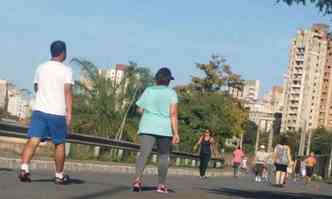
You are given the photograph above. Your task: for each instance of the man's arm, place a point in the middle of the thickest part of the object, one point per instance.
(69, 102)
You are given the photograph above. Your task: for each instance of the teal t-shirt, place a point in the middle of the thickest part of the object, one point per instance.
(156, 101)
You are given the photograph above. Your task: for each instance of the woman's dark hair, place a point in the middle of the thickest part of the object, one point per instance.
(283, 140)
(163, 82)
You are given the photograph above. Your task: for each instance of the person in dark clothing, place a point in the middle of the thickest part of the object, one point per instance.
(206, 142)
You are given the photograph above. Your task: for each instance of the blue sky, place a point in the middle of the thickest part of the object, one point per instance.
(253, 35)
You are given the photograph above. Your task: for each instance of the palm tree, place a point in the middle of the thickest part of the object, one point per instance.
(102, 104)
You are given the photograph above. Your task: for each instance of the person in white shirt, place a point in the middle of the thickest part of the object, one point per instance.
(51, 117)
(260, 163)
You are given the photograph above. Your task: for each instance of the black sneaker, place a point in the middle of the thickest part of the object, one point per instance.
(24, 176)
(62, 181)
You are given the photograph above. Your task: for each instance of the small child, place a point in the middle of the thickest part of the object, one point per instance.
(244, 165)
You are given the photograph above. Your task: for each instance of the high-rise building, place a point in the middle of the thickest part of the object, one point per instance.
(249, 91)
(3, 93)
(115, 74)
(307, 92)
(325, 113)
(19, 104)
(275, 99)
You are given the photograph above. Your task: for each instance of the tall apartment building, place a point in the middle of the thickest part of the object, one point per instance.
(275, 99)
(307, 87)
(116, 74)
(19, 104)
(3, 93)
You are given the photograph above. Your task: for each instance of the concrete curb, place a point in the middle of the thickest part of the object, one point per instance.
(13, 163)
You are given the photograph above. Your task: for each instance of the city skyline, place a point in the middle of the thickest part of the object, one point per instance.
(175, 34)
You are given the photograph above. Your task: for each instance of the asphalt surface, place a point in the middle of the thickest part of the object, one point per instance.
(89, 185)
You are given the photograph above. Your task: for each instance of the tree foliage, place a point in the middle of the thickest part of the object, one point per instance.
(205, 105)
(100, 102)
(321, 141)
(324, 6)
(217, 75)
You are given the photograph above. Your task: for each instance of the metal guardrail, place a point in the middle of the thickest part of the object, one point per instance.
(18, 131)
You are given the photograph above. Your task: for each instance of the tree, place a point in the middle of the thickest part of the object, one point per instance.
(249, 138)
(204, 104)
(324, 6)
(102, 104)
(217, 75)
(321, 141)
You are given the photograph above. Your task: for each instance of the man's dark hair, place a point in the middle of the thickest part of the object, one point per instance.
(58, 47)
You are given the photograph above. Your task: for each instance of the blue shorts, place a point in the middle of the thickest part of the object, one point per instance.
(44, 126)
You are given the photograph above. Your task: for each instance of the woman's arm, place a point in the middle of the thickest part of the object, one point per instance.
(212, 146)
(174, 124)
(198, 143)
(140, 110)
(289, 155)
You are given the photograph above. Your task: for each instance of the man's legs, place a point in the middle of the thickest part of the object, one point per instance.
(37, 131)
(28, 152)
(59, 158)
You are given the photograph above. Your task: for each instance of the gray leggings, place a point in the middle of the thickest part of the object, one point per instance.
(164, 145)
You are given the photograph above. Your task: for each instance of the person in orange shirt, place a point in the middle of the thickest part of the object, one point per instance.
(310, 163)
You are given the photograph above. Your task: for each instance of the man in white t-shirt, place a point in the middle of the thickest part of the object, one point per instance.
(51, 117)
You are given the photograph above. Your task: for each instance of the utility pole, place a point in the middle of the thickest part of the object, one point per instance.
(309, 142)
(302, 139)
(241, 140)
(329, 171)
(269, 148)
(258, 135)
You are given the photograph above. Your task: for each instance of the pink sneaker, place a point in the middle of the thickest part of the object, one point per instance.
(162, 189)
(137, 185)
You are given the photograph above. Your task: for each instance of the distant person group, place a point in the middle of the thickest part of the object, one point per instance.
(277, 165)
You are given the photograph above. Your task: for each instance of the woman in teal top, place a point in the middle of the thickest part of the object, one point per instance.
(159, 125)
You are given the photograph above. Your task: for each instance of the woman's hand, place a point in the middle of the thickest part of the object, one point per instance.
(176, 139)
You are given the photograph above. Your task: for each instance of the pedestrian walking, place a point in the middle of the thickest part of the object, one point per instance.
(244, 164)
(260, 162)
(282, 160)
(206, 143)
(52, 112)
(297, 169)
(158, 105)
(310, 163)
(270, 167)
(238, 155)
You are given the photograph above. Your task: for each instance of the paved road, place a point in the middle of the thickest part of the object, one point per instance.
(98, 186)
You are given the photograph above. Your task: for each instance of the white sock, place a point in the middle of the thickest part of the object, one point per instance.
(59, 175)
(25, 167)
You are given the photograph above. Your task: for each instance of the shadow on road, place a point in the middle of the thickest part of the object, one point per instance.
(154, 188)
(72, 181)
(264, 194)
(108, 192)
(5, 169)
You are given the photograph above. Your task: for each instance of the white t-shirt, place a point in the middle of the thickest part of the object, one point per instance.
(51, 78)
(261, 157)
